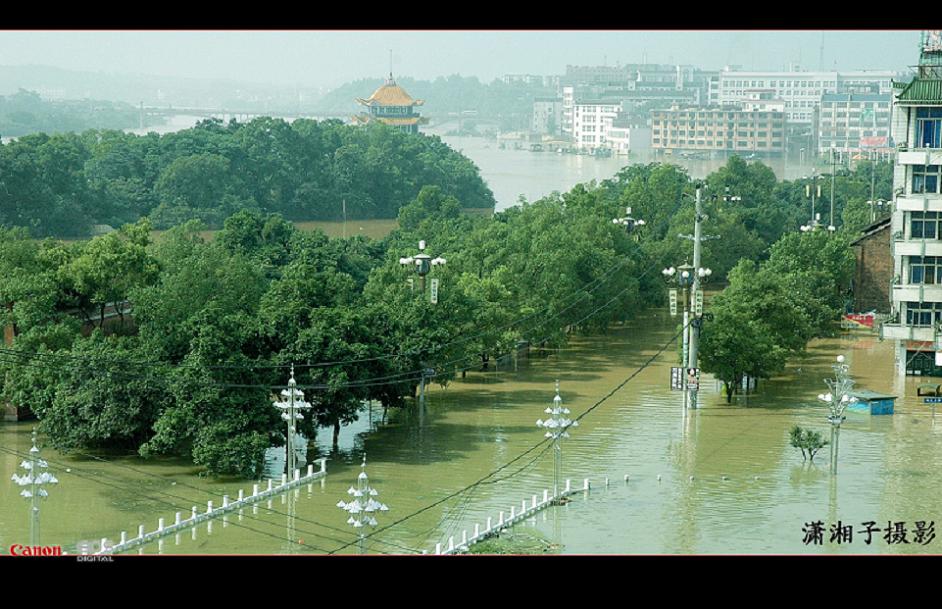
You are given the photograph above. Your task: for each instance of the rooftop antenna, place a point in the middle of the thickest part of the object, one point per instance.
(390, 65)
(821, 58)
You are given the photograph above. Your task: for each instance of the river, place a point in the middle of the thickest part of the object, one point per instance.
(889, 465)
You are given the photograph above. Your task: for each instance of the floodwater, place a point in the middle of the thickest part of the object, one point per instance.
(889, 465)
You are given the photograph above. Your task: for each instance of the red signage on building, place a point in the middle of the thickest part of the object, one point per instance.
(864, 319)
(873, 142)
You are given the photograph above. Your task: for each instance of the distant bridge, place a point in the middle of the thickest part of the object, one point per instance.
(239, 115)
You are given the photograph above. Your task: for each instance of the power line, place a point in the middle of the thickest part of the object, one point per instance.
(524, 453)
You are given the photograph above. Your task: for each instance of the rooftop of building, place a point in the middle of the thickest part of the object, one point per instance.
(390, 94)
(863, 97)
(920, 91)
(872, 229)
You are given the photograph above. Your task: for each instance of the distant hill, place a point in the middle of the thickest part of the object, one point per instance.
(60, 84)
(26, 112)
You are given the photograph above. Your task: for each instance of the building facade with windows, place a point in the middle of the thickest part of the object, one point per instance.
(547, 115)
(801, 91)
(591, 123)
(718, 129)
(854, 125)
(917, 218)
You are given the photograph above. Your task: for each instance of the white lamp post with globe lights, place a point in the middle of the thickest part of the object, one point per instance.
(34, 478)
(363, 506)
(838, 399)
(293, 400)
(556, 428)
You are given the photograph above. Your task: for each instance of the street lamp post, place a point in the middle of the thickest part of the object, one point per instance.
(292, 402)
(810, 191)
(556, 428)
(838, 399)
(873, 208)
(628, 222)
(34, 478)
(363, 506)
(422, 263)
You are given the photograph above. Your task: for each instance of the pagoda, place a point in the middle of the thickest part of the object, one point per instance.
(391, 105)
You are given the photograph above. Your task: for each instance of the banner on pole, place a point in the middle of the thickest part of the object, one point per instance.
(677, 378)
(673, 301)
(693, 378)
(698, 302)
(435, 291)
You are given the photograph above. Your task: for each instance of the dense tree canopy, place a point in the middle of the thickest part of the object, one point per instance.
(218, 324)
(62, 185)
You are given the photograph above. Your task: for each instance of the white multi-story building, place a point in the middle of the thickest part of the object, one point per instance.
(801, 91)
(917, 217)
(591, 123)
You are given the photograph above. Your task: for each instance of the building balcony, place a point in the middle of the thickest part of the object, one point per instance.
(912, 292)
(920, 156)
(904, 332)
(919, 202)
(918, 247)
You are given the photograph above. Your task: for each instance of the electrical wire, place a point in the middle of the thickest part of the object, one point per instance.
(526, 452)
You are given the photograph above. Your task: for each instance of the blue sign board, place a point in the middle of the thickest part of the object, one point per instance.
(932, 400)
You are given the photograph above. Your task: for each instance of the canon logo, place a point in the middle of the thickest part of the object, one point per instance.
(21, 550)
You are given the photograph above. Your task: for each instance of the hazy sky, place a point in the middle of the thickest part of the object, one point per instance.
(334, 57)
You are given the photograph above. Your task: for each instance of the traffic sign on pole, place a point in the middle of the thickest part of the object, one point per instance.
(673, 300)
(698, 302)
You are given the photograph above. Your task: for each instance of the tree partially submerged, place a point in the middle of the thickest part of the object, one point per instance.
(809, 442)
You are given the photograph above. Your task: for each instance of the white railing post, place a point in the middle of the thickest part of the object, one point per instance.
(269, 484)
(225, 501)
(209, 507)
(160, 525)
(568, 485)
(241, 495)
(477, 530)
(193, 514)
(297, 475)
(513, 512)
(585, 484)
(254, 490)
(438, 548)
(124, 537)
(178, 518)
(533, 502)
(451, 544)
(284, 479)
(523, 507)
(488, 530)
(500, 520)
(323, 461)
(464, 537)
(545, 495)
(104, 544)
(310, 469)
(140, 531)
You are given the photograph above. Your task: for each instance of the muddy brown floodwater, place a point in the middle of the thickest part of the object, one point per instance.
(750, 491)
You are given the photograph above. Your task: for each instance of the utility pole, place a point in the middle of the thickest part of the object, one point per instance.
(344, 218)
(831, 226)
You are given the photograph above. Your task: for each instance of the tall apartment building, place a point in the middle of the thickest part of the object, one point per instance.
(917, 217)
(547, 115)
(718, 129)
(801, 91)
(854, 124)
(591, 123)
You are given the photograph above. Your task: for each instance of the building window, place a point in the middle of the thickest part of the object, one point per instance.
(926, 178)
(929, 128)
(924, 225)
(925, 270)
(923, 314)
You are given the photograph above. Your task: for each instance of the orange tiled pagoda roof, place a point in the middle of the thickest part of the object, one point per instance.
(390, 94)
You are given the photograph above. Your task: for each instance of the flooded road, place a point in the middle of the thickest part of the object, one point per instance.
(889, 465)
